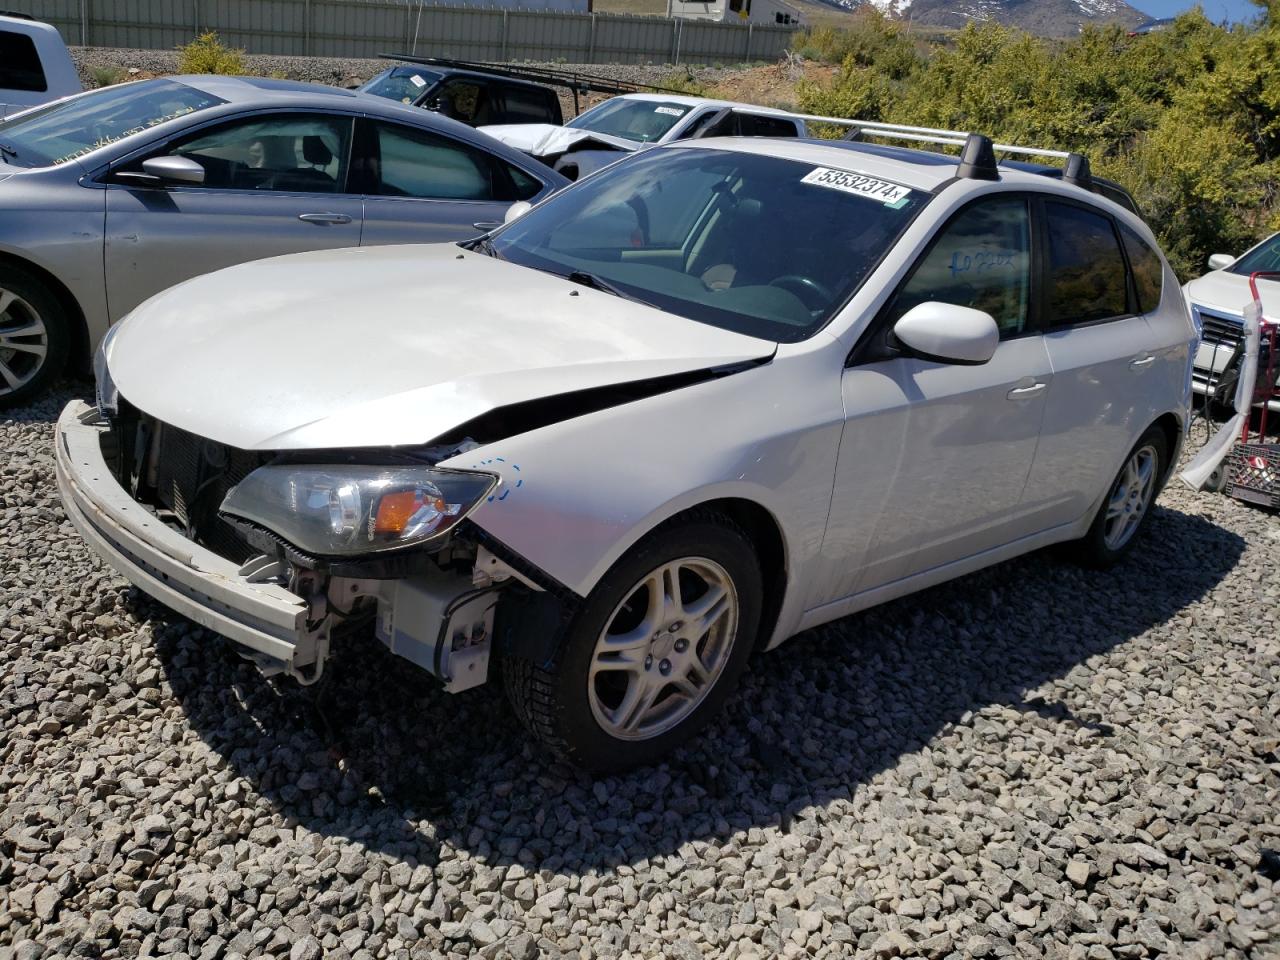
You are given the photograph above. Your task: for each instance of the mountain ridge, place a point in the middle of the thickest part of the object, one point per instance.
(1051, 18)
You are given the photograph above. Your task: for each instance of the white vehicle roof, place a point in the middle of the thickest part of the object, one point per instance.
(689, 101)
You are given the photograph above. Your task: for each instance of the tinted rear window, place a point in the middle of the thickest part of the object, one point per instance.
(20, 67)
(1148, 271)
(1086, 270)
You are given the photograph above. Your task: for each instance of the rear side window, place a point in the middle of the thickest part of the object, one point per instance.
(523, 105)
(1148, 271)
(414, 163)
(981, 259)
(20, 67)
(1085, 269)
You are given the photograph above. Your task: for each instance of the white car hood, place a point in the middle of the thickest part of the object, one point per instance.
(544, 139)
(1229, 293)
(387, 346)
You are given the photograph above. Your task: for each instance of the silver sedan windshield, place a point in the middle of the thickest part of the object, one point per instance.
(760, 245)
(67, 129)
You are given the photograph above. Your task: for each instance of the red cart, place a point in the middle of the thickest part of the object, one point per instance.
(1252, 469)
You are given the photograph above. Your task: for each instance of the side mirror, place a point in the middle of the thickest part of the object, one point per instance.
(174, 170)
(517, 209)
(1220, 261)
(948, 333)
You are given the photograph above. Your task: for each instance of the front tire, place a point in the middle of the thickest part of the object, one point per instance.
(34, 336)
(1123, 514)
(654, 652)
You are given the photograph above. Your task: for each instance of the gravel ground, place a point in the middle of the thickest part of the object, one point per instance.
(1034, 760)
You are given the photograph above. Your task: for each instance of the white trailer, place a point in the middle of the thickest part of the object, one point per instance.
(763, 12)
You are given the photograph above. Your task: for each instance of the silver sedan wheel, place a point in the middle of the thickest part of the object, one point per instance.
(24, 341)
(663, 648)
(1130, 497)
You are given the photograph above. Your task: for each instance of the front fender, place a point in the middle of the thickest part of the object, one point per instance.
(577, 495)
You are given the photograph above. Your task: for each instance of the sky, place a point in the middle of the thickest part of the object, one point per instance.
(1215, 10)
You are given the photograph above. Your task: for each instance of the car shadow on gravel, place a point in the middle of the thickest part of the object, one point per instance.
(379, 755)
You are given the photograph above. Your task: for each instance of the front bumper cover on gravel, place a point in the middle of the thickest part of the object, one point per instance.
(199, 584)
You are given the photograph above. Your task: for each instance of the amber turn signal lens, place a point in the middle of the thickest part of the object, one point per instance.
(395, 510)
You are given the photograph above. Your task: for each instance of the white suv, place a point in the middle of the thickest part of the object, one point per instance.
(701, 401)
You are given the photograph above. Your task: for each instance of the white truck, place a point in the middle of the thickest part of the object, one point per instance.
(35, 66)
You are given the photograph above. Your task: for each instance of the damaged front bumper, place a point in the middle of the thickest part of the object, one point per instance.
(442, 622)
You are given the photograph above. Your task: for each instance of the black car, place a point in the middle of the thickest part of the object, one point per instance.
(473, 97)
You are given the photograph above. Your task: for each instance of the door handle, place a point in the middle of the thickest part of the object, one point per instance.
(1142, 362)
(323, 218)
(1026, 393)
(487, 224)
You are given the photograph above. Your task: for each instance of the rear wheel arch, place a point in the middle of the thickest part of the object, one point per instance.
(1171, 426)
(78, 354)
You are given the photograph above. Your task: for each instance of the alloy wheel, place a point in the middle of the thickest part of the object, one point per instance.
(24, 341)
(1130, 497)
(663, 648)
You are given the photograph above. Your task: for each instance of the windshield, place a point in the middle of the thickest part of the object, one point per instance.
(759, 245)
(1265, 256)
(643, 121)
(405, 84)
(67, 129)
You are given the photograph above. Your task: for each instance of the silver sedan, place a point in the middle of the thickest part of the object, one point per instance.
(113, 195)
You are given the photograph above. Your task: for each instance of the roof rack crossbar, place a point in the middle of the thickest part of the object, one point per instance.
(901, 131)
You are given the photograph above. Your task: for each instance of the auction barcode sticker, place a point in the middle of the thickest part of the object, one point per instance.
(890, 194)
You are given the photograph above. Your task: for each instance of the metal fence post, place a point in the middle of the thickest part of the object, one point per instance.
(505, 29)
(84, 23)
(747, 55)
(675, 40)
(591, 42)
(306, 27)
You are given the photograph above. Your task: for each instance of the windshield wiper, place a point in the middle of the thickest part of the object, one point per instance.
(482, 244)
(599, 283)
(8, 151)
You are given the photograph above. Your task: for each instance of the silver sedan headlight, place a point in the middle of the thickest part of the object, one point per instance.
(105, 392)
(341, 510)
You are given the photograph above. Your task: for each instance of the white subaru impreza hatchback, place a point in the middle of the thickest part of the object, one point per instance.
(705, 399)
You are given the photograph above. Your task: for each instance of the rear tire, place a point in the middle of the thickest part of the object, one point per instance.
(1122, 515)
(34, 336)
(637, 674)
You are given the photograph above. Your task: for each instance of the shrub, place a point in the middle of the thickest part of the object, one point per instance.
(1187, 119)
(683, 81)
(206, 54)
(108, 76)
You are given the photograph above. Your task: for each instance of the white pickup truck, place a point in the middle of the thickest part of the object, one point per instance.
(35, 66)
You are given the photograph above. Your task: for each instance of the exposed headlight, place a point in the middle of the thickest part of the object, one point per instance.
(339, 510)
(105, 392)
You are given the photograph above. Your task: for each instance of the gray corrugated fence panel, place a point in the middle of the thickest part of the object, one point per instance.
(548, 36)
(461, 34)
(344, 29)
(704, 41)
(257, 26)
(364, 28)
(63, 14)
(633, 39)
(152, 24)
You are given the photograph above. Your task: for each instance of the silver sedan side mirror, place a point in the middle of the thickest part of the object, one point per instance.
(1220, 261)
(174, 169)
(949, 334)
